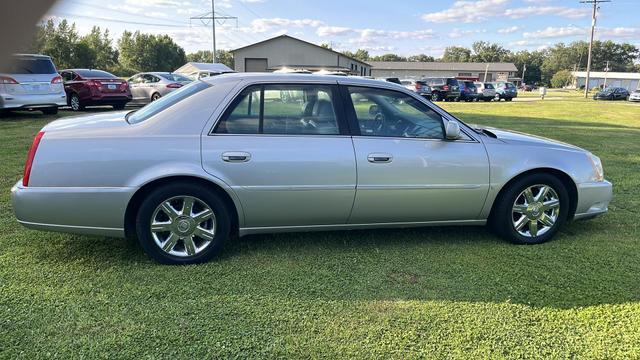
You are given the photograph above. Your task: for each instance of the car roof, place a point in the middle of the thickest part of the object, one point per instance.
(310, 78)
(32, 55)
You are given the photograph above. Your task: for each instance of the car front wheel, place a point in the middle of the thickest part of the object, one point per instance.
(74, 102)
(531, 210)
(182, 223)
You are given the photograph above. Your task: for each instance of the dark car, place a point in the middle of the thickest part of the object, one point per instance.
(87, 87)
(394, 80)
(443, 88)
(612, 93)
(505, 90)
(468, 90)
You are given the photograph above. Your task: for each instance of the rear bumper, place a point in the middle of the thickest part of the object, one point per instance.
(107, 99)
(593, 199)
(92, 211)
(27, 101)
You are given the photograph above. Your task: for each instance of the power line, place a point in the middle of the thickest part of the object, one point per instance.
(117, 20)
(593, 28)
(212, 16)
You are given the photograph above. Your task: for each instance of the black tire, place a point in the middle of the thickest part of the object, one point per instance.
(155, 96)
(502, 217)
(487, 99)
(119, 106)
(508, 99)
(50, 110)
(435, 96)
(75, 103)
(162, 194)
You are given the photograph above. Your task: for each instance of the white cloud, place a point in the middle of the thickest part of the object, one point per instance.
(467, 11)
(457, 33)
(264, 25)
(601, 33)
(563, 11)
(334, 31)
(509, 30)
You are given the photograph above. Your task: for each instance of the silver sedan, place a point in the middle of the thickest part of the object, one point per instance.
(150, 86)
(262, 153)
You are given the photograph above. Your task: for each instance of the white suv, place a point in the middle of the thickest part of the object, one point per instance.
(31, 82)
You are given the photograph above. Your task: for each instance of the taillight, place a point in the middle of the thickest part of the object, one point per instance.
(7, 80)
(418, 86)
(445, 88)
(57, 80)
(30, 156)
(174, 85)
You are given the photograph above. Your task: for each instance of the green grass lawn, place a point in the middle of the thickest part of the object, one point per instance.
(432, 292)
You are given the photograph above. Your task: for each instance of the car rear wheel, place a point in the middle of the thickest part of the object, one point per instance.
(435, 96)
(155, 96)
(75, 103)
(532, 209)
(50, 110)
(182, 224)
(508, 99)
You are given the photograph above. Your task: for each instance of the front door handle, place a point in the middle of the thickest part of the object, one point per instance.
(380, 158)
(236, 156)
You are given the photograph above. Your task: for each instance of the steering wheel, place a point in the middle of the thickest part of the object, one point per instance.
(379, 123)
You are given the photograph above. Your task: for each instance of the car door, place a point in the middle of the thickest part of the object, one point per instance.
(137, 88)
(407, 170)
(285, 151)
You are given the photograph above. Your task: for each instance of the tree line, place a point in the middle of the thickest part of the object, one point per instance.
(136, 51)
(133, 52)
(541, 65)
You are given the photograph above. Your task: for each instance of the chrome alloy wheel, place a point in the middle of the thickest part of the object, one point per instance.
(535, 210)
(183, 226)
(75, 103)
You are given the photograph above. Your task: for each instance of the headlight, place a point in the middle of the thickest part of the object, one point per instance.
(598, 172)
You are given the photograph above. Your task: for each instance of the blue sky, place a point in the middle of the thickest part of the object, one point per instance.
(402, 26)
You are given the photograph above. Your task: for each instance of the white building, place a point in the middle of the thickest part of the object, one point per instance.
(465, 70)
(285, 51)
(629, 81)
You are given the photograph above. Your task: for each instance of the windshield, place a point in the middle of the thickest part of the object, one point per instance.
(30, 65)
(175, 77)
(165, 102)
(89, 74)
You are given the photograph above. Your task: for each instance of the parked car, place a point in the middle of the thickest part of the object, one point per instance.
(634, 96)
(150, 86)
(418, 86)
(31, 82)
(612, 93)
(527, 87)
(505, 90)
(394, 80)
(224, 157)
(443, 88)
(90, 87)
(468, 90)
(486, 91)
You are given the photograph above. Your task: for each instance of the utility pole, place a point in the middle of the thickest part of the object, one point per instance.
(524, 70)
(606, 71)
(212, 16)
(593, 28)
(485, 73)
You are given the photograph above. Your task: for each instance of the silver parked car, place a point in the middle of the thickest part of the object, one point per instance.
(31, 82)
(263, 153)
(417, 86)
(486, 91)
(150, 86)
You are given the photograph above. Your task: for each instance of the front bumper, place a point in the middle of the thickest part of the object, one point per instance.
(92, 211)
(593, 199)
(631, 98)
(28, 101)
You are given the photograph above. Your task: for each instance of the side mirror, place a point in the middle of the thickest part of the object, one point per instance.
(452, 130)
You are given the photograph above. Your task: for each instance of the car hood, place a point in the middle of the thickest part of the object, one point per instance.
(94, 121)
(518, 138)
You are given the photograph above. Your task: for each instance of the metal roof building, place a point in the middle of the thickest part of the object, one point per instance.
(627, 80)
(285, 51)
(418, 70)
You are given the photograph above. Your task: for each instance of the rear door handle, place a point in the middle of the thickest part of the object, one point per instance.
(380, 158)
(236, 156)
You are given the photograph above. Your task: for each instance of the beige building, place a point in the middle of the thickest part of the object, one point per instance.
(471, 71)
(286, 51)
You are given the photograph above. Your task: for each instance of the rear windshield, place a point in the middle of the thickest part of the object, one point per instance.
(88, 74)
(175, 77)
(435, 81)
(488, 86)
(421, 82)
(452, 82)
(29, 65)
(166, 101)
(510, 86)
(469, 84)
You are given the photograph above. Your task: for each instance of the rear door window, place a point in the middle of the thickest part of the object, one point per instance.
(281, 109)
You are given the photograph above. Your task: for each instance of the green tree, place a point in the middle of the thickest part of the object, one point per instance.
(533, 61)
(104, 56)
(59, 42)
(456, 54)
(389, 57)
(488, 52)
(147, 52)
(421, 58)
(561, 78)
(204, 56)
(360, 54)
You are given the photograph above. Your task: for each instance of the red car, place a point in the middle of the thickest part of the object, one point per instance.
(86, 87)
